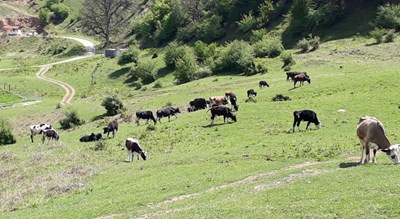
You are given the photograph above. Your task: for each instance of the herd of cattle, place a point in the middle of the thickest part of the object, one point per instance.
(370, 130)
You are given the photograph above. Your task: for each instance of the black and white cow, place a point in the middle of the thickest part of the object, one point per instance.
(145, 115)
(50, 134)
(38, 129)
(251, 92)
(91, 137)
(222, 111)
(133, 146)
(112, 127)
(167, 112)
(263, 84)
(305, 115)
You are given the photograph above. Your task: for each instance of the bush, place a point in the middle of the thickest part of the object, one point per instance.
(238, 57)
(157, 85)
(6, 136)
(280, 97)
(173, 52)
(268, 47)
(202, 72)
(60, 13)
(113, 105)
(204, 51)
(186, 67)
(287, 58)
(388, 16)
(247, 23)
(44, 15)
(378, 34)
(314, 42)
(71, 119)
(146, 71)
(390, 35)
(257, 35)
(303, 45)
(266, 10)
(129, 56)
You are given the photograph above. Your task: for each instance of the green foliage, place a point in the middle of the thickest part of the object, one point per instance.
(247, 23)
(113, 105)
(6, 136)
(203, 72)
(71, 119)
(129, 56)
(60, 13)
(388, 16)
(50, 3)
(44, 15)
(378, 34)
(266, 10)
(287, 58)
(268, 47)
(208, 30)
(310, 43)
(174, 52)
(186, 67)
(303, 45)
(390, 36)
(204, 51)
(237, 57)
(299, 16)
(145, 71)
(157, 85)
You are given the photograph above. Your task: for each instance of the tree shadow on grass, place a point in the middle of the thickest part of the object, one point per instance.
(210, 126)
(118, 73)
(349, 164)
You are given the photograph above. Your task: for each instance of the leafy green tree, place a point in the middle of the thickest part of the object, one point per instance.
(113, 105)
(60, 13)
(129, 56)
(186, 67)
(6, 136)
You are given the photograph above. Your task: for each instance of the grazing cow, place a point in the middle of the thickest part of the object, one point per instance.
(221, 111)
(292, 74)
(51, 134)
(145, 115)
(112, 127)
(133, 146)
(370, 132)
(38, 129)
(301, 78)
(218, 100)
(91, 137)
(232, 99)
(197, 104)
(263, 84)
(251, 93)
(305, 115)
(167, 112)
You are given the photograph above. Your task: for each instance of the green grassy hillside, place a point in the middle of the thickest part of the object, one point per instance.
(254, 168)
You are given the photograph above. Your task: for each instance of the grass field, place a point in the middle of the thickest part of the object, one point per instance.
(254, 168)
(8, 98)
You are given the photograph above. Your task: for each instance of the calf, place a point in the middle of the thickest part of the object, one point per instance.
(301, 78)
(370, 132)
(292, 74)
(305, 115)
(133, 146)
(198, 103)
(51, 134)
(218, 100)
(145, 115)
(38, 129)
(222, 111)
(91, 137)
(263, 84)
(251, 93)
(167, 112)
(112, 127)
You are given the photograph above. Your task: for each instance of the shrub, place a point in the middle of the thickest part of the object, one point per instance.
(378, 34)
(390, 35)
(6, 136)
(280, 97)
(173, 52)
(71, 119)
(247, 23)
(266, 10)
(60, 13)
(303, 45)
(145, 70)
(186, 67)
(287, 58)
(238, 57)
(314, 42)
(204, 51)
(129, 56)
(209, 29)
(202, 72)
(388, 16)
(44, 15)
(113, 105)
(268, 47)
(257, 35)
(157, 85)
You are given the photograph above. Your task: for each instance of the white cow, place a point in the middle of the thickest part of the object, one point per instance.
(38, 129)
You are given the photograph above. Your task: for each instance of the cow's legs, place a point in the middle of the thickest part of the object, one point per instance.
(374, 155)
(308, 123)
(169, 118)
(129, 156)
(212, 119)
(32, 137)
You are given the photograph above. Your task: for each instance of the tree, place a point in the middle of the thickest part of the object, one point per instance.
(106, 18)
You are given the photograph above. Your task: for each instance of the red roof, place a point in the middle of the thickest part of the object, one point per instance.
(10, 27)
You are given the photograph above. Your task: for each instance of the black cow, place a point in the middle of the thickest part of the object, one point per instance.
(50, 134)
(198, 103)
(251, 93)
(167, 112)
(232, 99)
(305, 115)
(145, 115)
(91, 137)
(133, 146)
(222, 111)
(112, 127)
(301, 78)
(263, 84)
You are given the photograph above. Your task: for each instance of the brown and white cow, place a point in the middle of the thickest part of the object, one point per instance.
(218, 100)
(133, 147)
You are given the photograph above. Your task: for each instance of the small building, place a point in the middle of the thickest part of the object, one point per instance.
(11, 30)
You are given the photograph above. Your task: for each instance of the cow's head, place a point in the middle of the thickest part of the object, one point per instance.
(144, 155)
(177, 110)
(105, 130)
(233, 117)
(318, 125)
(393, 153)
